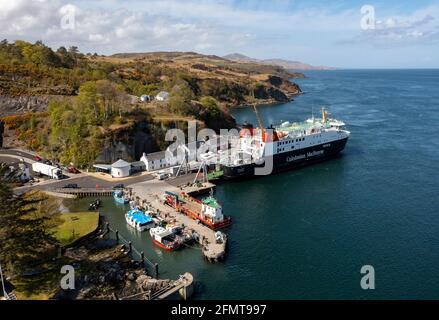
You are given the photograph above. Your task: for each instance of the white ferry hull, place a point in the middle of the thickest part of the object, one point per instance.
(289, 160)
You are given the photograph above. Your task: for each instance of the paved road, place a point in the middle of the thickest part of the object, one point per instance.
(18, 153)
(83, 180)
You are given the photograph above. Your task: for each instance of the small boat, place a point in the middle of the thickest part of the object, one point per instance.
(165, 239)
(119, 197)
(179, 232)
(93, 206)
(139, 220)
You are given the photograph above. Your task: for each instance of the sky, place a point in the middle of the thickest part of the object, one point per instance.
(338, 33)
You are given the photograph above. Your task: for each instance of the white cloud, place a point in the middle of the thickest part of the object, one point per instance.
(263, 29)
(160, 24)
(418, 28)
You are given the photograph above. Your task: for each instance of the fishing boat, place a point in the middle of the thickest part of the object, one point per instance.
(179, 231)
(165, 239)
(139, 220)
(207, 210)
(119, 197)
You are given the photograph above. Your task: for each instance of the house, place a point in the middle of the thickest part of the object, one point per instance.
(155, 161)
(162, 96)
(137, 166)
(145, 98)
(120, 169)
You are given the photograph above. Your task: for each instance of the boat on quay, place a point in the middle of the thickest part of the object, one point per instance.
(179, 231)
(139, 220)
(208, 211)
(120, 197)
(288, 146)
(165, 239)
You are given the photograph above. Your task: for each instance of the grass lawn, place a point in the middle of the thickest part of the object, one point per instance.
(74, 226)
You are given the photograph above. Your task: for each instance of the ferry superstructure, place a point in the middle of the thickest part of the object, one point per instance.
(288, 146)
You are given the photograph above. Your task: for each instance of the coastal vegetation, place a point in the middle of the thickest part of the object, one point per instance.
(31, 231)
(74, 107)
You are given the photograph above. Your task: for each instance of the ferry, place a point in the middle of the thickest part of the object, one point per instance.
(207, 210)
(139, 220)
(165, 239)
(119, 197)
(288, 146)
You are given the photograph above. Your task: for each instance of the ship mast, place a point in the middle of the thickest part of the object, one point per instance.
(324, 115)
(257, 113)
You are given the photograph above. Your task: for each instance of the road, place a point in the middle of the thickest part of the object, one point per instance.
(17, 154)
(83, 180)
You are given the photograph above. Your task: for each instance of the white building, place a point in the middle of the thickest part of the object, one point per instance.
(155, 161)
(162, 96)
(145, 98)
(120, 169)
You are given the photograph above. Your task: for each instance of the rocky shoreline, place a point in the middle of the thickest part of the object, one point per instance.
(105, 271)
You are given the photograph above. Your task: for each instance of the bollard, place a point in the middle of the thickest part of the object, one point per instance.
(130, 245)
(108, 227)
(117, 235)
(142, 257)
(156, 268)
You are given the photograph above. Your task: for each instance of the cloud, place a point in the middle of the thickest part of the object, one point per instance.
(420, 28)
(293, 30)
(208, 26)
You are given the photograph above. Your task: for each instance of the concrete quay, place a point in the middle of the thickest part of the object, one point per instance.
(149, 194)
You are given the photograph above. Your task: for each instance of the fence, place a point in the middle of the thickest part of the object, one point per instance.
(150, 267)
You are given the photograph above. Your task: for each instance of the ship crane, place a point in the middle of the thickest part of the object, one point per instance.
(258, 118)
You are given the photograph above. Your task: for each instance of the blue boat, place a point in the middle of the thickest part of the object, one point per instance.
(119, 197)
(139, 220)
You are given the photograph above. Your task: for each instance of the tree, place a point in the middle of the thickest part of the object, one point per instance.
(23, 233)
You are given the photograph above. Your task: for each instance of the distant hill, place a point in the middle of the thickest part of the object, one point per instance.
(287, 64)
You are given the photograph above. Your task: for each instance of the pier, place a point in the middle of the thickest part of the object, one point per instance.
(84, 192)
(149, 195)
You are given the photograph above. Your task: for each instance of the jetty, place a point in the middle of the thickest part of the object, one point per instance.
(84, 192)
(149, 194)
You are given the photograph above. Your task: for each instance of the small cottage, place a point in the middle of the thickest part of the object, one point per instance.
(162, 96)
(120, 169)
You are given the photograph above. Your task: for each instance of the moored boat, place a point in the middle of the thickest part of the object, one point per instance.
(139, 220)
(260, 151)
(207, 210)
(119, 197)
(165, 239)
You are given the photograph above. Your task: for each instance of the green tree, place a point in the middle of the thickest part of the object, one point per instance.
(23, 235)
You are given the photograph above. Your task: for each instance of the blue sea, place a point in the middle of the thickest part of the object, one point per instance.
(305, 234)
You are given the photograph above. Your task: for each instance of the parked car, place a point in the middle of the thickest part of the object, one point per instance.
(73, 170)
(36, 158)
(118, 186)
(71, 186)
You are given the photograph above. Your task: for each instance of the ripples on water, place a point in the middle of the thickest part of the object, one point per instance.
(306, 233)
